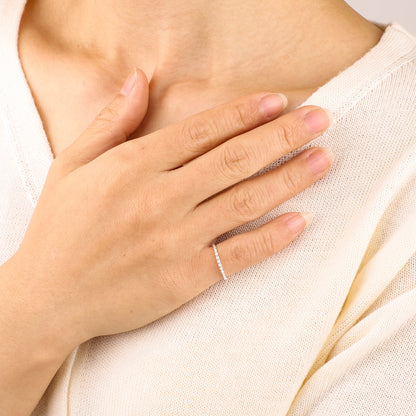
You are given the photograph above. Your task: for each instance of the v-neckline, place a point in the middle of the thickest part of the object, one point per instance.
(32, 147)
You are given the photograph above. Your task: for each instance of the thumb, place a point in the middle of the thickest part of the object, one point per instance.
(113, 124)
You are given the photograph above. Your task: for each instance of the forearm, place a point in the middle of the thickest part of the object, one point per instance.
(30, 353)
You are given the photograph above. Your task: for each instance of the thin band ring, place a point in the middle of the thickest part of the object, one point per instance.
(219, 262)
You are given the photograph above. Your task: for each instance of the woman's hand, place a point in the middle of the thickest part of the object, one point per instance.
(122, 231)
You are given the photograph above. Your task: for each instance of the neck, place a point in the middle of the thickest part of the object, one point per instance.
(290, 44)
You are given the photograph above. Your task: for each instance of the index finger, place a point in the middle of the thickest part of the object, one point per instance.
(178, 143)
(244, 155)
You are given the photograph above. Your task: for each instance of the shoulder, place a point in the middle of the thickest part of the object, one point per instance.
(396, 85)
(386, 105)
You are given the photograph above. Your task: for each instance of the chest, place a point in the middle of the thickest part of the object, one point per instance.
(71, 92)
(67, 110)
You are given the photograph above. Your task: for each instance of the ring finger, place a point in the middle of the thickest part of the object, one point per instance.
(247, 249)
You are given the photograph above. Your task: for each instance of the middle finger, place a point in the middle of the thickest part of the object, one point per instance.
(244, 155)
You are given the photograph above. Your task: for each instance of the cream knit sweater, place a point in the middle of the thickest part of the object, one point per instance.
(325, 327)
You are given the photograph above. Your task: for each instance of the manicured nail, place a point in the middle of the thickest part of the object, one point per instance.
(318, 120)
(129, 84)
(320, 159)
(273, 104)
(308, 217)
(298, 222)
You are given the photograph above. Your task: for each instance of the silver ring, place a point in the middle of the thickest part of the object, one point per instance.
(219, 262)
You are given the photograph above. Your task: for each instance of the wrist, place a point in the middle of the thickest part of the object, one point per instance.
(30, 318)
(31, 348)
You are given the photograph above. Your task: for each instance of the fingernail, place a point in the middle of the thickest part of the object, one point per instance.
(318, 120)
(298, 222)
(308, 217)
(129, 84)
(273, 104)
(319, 160)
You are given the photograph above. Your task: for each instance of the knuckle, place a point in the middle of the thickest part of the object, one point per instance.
(117, 171)
(108, 114)
(136, 152)
(291, 181)
(286, 134)
(244, 203)
(119, 164)
(104, 122)
(234, 162)
(268, 244)
(197, 132)
(240, 254)
(243, 114)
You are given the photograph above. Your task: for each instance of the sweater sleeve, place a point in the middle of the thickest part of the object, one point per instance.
(368, 363)
(372, 369)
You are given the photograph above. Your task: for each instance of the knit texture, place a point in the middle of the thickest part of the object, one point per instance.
(325, 327)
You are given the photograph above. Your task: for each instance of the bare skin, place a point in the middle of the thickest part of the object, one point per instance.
(89, 50)
(193, 169)
(108, 259)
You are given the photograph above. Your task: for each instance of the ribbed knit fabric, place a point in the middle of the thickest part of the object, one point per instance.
(325, 327)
